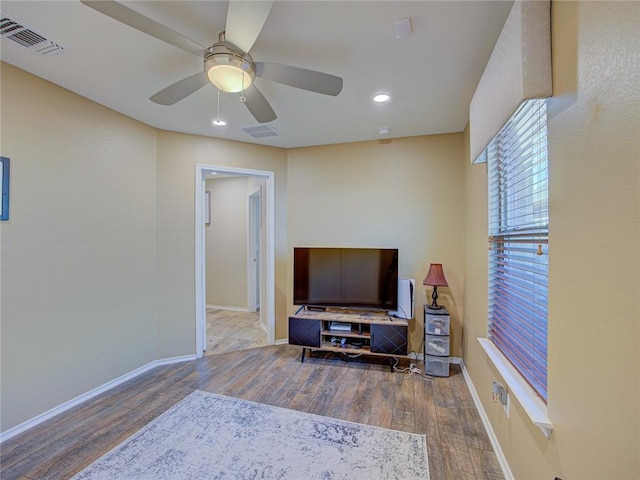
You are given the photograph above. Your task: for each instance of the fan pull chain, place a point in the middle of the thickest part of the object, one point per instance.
(218, 122)
(243, 99)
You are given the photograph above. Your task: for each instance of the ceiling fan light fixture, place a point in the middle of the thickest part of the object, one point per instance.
(230, 70)
(229, 78)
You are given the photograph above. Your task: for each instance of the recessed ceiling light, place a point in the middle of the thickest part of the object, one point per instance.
(384, 131)
(381, 97)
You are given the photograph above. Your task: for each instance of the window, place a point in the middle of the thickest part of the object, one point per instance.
(518, 235)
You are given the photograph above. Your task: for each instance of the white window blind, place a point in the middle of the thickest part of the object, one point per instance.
(518, 236)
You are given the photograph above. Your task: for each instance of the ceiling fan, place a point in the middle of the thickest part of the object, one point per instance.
(227, 63)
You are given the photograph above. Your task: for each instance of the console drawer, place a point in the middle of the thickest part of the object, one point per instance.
(304, 332)
(389, 339)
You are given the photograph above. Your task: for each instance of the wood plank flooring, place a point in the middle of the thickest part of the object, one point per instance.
(363, 391)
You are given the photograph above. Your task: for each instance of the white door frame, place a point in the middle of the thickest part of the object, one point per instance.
(267, 260)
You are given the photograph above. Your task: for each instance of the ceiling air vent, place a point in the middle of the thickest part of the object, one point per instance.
(260, 131)
(22, 35)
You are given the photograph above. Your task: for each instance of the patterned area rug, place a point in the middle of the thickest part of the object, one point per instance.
(209, 436)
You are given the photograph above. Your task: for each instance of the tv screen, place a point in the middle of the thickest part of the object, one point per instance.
(346, 277)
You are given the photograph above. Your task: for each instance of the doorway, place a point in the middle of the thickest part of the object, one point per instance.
(260, 215)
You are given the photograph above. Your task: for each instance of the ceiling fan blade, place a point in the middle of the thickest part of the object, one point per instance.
(245, 21)
(181, 89)
(258, 105)
(146, 25)
(300, 78)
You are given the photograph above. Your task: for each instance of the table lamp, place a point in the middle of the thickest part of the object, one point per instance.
(435, 278)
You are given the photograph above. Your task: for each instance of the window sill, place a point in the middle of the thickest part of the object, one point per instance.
(532, 404)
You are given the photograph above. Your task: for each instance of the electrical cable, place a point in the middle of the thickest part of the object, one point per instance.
(412, 368)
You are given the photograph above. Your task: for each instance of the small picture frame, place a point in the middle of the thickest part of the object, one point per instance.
(207, 208)
(4, 181)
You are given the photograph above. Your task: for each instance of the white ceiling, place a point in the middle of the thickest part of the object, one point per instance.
(431, 75)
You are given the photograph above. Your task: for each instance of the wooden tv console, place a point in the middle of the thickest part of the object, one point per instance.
(370, 333)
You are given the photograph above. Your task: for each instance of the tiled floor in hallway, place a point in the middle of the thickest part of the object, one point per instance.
(232, 330)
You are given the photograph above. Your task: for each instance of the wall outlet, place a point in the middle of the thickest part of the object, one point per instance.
(501, 396)
(497, 386)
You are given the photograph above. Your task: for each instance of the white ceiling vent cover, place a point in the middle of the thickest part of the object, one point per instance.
(260, 131)
(22, 35)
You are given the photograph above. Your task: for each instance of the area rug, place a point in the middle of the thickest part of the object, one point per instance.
(209, 436)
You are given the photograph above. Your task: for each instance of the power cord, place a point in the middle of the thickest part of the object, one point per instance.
(412, 368)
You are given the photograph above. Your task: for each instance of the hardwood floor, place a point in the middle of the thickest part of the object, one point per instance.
(363, 391)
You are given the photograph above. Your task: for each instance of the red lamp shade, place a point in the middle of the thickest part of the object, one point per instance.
(435, 278)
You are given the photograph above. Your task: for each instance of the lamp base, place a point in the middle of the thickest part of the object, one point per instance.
(434, 300)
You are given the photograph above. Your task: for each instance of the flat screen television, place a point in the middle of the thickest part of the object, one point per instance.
(362, 278)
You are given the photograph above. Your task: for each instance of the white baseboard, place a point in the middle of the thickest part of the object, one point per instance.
(506, 471)
(282, 341)
(23, 427)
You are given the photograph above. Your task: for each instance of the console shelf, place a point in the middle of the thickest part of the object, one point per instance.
(371, 333)
(350, 334)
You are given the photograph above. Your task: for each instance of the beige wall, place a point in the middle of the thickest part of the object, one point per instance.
(98, 257)
(177, 155)
(226, 242)
(78, 254)
(594, 257)
(406, 194)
